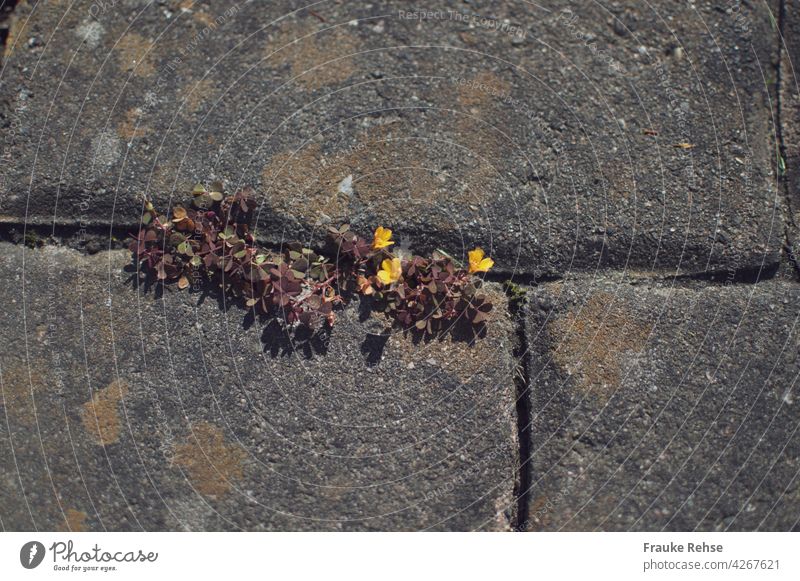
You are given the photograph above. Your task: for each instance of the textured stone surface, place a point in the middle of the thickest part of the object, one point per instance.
(665, 408)
(790, 120)
(125, 410)
(636, 138)
(626, 135)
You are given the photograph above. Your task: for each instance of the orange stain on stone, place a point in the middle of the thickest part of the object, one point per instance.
(302, 181)
(196, 93)
(211, 463)
(100, 415)
(135, 54)
(482, 90)
(132, 127)
(316, 60)
(199, 15)
(592, 341)
(389, 170)
(204, 18)
(74, 521)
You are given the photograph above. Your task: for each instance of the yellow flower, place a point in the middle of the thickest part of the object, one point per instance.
(477, 263)
(390, 271)
(382, 239)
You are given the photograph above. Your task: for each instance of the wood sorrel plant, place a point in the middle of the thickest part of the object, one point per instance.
(211, 241)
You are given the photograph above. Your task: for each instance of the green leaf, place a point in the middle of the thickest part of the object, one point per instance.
(147, 218)
(201, 201)
(216, 196)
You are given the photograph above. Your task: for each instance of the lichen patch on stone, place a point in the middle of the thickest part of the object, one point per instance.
(394, 173)
(135, 54)
(591, 342)
(100, 415)
(481, 91)
(212, 464)
(196, 93)
(132, 126)
(316, 60)
(74, 521)
(304, 182)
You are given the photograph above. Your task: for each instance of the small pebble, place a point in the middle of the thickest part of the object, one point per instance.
(346, 185)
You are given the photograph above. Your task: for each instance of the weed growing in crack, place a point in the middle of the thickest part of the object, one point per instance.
(211, 241)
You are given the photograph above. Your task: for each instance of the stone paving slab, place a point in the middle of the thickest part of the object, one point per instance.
(664, 408)
(561, 134)
(124, 410)
(790, 117)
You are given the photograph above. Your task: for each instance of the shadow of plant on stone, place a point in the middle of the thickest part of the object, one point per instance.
(460, 331)
(279, 342)
(372, 348)
(276, 339)
(144, 281)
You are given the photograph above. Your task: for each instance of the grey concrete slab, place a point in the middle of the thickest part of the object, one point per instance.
(561, 134)
(125, 410)
(790, 121)
(664, 408)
